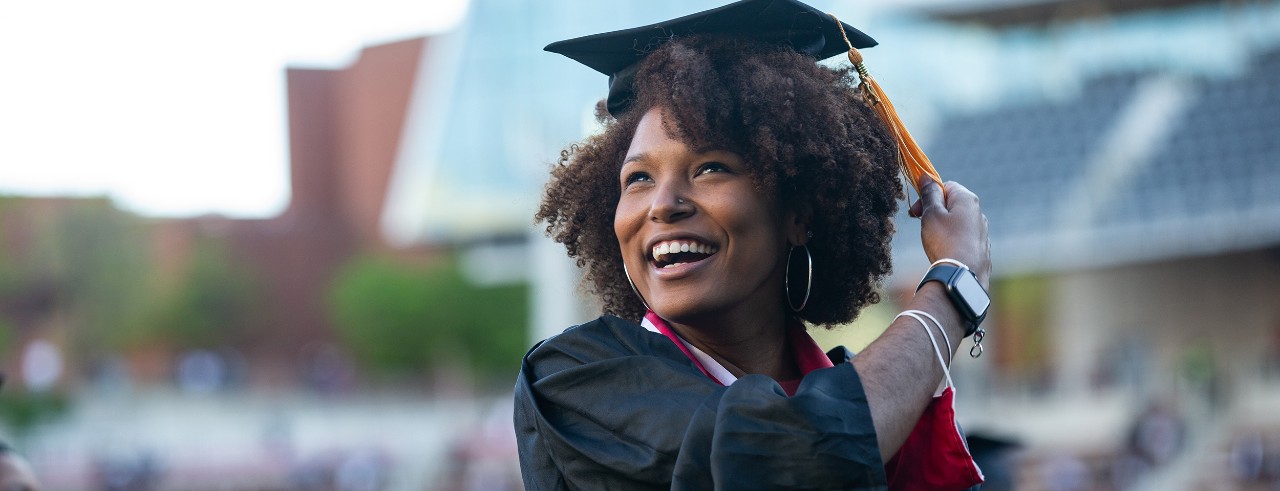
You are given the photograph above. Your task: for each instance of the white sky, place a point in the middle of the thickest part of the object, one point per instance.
(170, 107)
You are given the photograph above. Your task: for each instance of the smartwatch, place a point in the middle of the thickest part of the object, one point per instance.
(963, 289)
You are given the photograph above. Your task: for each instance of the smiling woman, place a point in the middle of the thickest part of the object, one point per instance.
(673, 197)
(800, 135)
(739, 191)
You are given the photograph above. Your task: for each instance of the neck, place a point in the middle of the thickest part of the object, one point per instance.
(745, 344)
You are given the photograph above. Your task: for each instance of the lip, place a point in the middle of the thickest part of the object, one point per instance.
(681, 270)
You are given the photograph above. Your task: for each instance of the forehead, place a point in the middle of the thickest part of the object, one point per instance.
(650, 131)
(657, 127)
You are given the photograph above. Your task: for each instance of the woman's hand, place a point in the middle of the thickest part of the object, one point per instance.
(953, 226)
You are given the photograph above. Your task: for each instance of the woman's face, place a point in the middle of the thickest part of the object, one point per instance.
(697, 237)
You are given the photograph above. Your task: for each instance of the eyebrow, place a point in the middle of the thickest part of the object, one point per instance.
(636, 157)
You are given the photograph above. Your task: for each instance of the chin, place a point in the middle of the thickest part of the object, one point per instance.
(684, 309)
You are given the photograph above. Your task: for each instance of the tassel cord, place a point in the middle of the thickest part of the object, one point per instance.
(911, 158)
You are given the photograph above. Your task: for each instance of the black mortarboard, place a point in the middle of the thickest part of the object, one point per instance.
(618, 54)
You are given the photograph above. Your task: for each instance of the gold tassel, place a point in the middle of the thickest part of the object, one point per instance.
(911, 158)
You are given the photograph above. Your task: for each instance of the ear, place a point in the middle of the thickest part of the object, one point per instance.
(795, 223)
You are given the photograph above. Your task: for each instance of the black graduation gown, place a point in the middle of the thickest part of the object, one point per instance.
(610, 405)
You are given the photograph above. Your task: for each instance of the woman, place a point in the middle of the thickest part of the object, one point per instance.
(738, 191)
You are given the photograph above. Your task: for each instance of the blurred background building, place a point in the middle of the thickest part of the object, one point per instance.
(1127, 154)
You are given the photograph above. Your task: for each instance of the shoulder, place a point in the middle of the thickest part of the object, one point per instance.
(602, 339)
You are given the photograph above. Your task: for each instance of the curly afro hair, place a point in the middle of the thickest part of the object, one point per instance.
(803, 129)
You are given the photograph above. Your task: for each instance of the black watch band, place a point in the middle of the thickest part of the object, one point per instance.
(966, 294)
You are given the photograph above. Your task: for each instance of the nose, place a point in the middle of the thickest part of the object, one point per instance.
(669, 204)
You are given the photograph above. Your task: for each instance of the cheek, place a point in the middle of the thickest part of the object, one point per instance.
(625, 222)
(756, 222)
(745, 211)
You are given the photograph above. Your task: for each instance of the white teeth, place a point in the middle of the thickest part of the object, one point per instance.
(672, 247)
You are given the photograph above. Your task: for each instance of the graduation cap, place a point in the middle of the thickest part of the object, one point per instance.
(785, 22)
(805, 29)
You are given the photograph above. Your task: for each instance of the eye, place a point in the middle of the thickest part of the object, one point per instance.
(635, 177)
(712, 167)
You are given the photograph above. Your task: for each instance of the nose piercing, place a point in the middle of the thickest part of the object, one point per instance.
(680, 200)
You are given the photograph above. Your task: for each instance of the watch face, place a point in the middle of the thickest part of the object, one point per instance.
(971, 291)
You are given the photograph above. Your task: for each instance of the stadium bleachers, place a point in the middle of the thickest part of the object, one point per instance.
(1217, 165)
(1018, 158)
(1222, 158)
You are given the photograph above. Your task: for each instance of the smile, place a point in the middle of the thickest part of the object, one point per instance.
(673, 253)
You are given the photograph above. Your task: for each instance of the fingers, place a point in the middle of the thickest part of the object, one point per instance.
(931, 199)
(953, 225)
(957, 193)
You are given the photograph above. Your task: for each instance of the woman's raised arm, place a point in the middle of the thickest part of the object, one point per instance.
(899, 371)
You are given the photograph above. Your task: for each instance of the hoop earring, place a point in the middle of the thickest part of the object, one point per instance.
(786, 281)
(633, 287)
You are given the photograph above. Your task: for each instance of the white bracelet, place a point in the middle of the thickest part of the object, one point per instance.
(938, 325)
(948, 260)
(946, 371)
(945, 260)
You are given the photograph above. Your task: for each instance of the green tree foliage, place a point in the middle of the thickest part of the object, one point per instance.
(84, 260)
(24, 410)
(214, 302)
(74, 264)
(90, 267)
(6, 336)
(103, 260)
(400, 318)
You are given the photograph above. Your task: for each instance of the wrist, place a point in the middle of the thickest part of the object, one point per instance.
(963, 289)
(981, 273)
(932, 297)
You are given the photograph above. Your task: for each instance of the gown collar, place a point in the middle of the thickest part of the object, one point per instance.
(808, 355)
